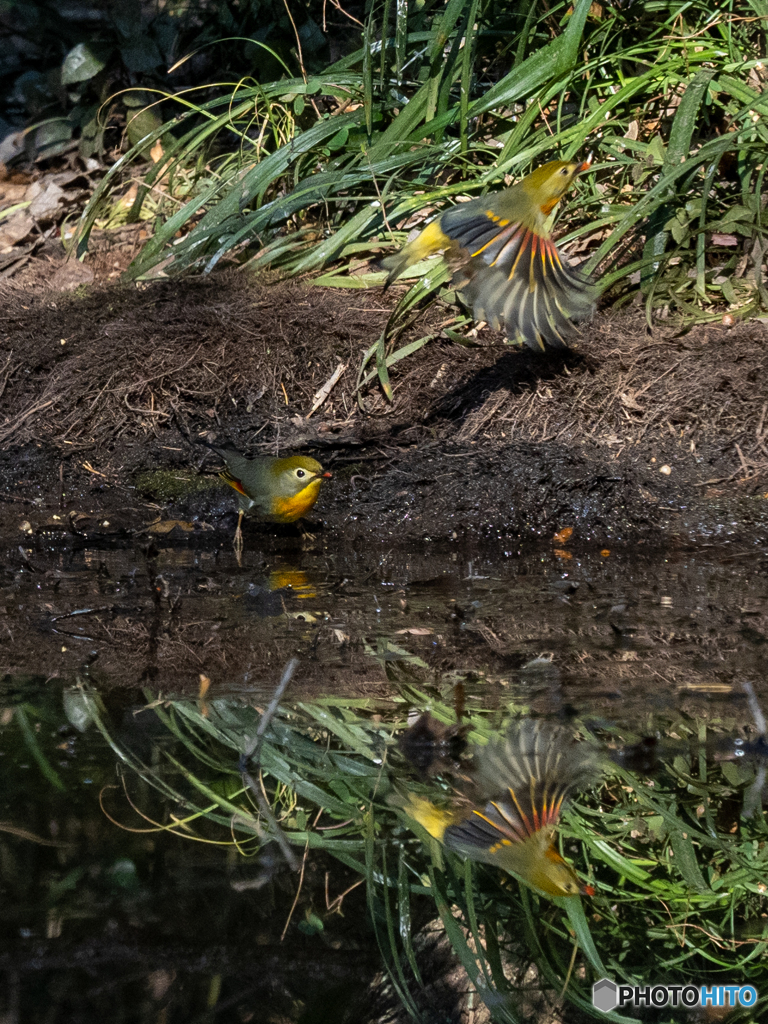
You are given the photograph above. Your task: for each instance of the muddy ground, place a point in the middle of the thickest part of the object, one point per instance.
(635, 437)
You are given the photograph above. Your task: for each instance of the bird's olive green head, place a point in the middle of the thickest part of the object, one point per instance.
(556, 877)
(548, 183)
(291, 476)
(537, 862)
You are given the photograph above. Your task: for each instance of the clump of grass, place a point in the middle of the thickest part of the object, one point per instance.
(681, 895)
(333, 166)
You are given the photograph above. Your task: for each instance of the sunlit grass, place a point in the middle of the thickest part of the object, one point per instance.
(334, 169)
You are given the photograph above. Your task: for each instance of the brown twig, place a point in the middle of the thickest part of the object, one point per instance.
(253, 751)
(298, 891)
(14, 425)
(298, 41)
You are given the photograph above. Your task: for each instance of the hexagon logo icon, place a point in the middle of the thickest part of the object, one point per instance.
(605, 995)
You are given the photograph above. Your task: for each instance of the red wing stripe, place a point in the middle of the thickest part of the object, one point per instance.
(554, 255)
(536, 820)
(523, 816)
(532, 269)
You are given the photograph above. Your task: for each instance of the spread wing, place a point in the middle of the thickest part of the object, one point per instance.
(525, 778)
(516, 279)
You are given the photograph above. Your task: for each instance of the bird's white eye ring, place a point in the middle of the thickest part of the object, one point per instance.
(300, 474)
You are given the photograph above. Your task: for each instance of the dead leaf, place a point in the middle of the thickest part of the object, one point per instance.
(15, 229)
(302, 616)
(707, 687)
(163, 526)
(725, 240)
(70, 275)
(647, 495)
(48, 203)
(416, 631)
(10, 193)
(628, 400)
(563, 536)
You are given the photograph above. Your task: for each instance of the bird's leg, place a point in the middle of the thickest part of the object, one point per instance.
(238, 541)
(308, 538)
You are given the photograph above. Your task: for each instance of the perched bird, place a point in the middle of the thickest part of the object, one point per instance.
(510, 817)
(276, 490)
(510, 271)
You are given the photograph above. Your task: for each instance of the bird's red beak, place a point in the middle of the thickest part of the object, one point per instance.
(587, 890)
(327, 476)
(586, 164)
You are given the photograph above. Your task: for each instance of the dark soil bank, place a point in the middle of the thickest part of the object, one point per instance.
(635, 437)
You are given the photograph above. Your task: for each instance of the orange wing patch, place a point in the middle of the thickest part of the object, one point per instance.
(233, 482)
(548, 207)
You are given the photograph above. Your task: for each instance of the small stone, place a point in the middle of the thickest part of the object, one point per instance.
(666, 470)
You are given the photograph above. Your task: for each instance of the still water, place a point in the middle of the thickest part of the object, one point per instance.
(143, 880)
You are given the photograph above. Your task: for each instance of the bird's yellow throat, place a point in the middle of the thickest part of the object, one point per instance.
(286, 510)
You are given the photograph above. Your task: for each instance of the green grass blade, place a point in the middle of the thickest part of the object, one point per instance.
(574, 908)
(381, 366)
(33, 746)
(368, 40)
(467, 64)
(401, 38)
(686, 862)
(683, 127)
(405, 925)
(451, 925)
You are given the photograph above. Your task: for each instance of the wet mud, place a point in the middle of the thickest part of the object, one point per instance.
(613, 634)
(502, 536)
(589, 471)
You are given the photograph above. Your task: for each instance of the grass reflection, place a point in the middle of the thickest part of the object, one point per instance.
(679, 872)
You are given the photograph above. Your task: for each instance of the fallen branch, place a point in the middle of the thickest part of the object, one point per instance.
(325, 390)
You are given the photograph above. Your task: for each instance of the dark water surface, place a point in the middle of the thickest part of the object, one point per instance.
(111, 914)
